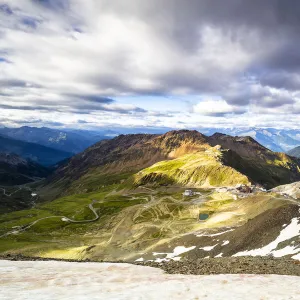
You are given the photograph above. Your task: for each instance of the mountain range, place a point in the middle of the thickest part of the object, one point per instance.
(174, 151)
(278, 140)
(72, 141)
(295, 152)
(75, 141)
(40, 154)
(141, 197)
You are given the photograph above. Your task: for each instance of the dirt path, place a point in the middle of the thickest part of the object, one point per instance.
(9, 195)
(63, 218)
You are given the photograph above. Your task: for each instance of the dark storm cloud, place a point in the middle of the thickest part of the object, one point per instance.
(275, 23)
(283, 79)
(274, 101)
(171, 47)
(260, 96)
(180, 20)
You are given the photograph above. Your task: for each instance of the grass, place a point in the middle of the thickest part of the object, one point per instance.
(198, 169)
(128, 223)
(53, 233)
(97, 180)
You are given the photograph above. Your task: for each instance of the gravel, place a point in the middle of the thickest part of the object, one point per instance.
(231, 265)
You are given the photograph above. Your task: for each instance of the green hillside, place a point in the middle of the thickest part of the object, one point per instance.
(201, 169)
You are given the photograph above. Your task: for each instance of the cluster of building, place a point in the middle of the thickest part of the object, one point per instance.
(240, 188)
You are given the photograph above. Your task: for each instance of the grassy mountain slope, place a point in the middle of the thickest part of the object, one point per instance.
(111, 161)
(141, 223)
(40, 154)
(295, 152)
(200, 169)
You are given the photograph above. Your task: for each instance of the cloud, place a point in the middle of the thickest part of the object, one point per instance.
(78, 56)
(216, 108)
(258, 95)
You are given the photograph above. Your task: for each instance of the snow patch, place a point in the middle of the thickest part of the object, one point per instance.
(225, 243)
(296, 256)
(174, 255)
(139, 259)
(290, 231)
(208, 248)
(288, 250)
(267, 133)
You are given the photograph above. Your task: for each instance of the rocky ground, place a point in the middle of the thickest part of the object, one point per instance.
(231, 265)
(209, 266)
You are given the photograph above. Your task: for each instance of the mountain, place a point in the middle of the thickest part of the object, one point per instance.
(40, 154)
(111, 161)
(260, 164)
(202, 169)
(156, 198)
(16, 170)
(73, 141)
(295, 152)
(279, 140)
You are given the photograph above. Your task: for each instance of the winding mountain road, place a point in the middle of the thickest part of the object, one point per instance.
(9, 195)
(63, 218)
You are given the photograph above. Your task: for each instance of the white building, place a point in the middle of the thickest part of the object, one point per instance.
(188, 193)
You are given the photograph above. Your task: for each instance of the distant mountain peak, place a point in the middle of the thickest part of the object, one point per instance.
(295, 152)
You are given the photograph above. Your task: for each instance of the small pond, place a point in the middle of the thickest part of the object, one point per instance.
(203, 217)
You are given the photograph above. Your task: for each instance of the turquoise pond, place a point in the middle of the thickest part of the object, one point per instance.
(203, 217)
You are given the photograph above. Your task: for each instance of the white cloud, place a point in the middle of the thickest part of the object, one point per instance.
(216, 108)
(56, 58)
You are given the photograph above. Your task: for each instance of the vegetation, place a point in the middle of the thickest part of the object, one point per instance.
(198, 169)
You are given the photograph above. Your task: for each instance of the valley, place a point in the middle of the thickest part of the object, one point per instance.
(160, 198)
(142, 225)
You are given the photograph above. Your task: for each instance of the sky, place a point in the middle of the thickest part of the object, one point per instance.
(171, 63)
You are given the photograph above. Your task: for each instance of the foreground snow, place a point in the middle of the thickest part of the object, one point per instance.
(63, 280)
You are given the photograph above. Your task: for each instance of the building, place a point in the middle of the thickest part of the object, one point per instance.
(188, 193)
